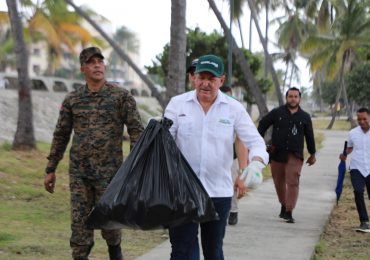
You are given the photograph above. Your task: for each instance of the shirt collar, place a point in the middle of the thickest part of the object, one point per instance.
(221, 98)
(101, 91)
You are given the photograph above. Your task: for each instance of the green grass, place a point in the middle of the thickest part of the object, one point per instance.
(35, 224)
(339, 239)
(321, 123)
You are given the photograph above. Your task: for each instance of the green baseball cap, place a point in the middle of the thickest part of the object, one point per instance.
(210, 63)
(87, 53)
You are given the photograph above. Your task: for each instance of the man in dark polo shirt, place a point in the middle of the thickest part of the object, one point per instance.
(291, 125)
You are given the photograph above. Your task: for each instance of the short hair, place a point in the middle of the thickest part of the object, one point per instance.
(293, 89)
(225, 89)
(363, 110)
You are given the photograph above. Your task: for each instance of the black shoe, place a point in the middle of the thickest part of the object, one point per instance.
(288, 217)
(233, 218)
(364, 227)
(282, 212)
(115, 252)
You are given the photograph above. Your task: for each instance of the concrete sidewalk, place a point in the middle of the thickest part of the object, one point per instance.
(260, 234)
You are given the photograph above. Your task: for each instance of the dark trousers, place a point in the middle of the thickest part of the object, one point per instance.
(184, 238)
(358, 183)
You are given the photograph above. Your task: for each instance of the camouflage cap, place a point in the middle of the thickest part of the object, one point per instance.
(87, 53)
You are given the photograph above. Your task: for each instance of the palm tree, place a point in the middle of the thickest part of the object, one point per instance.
(291, 33)
(52, 23)
(240, 58)
(24, 136)
(129, 42)
(6, 42)
(268, 60)
(335, 52)
(120, 52)
(177, 56)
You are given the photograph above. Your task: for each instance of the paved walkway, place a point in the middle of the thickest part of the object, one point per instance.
(260, 234)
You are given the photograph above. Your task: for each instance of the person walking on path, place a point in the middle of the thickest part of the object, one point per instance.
(359, 146)
(96, 113)
(291, 125)
(204, 125)
(239, 164)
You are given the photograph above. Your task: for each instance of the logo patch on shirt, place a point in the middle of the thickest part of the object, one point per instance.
(224, 121)
(182, 115)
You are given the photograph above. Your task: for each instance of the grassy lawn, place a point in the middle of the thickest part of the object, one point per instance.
(340, 240)
(35, 224)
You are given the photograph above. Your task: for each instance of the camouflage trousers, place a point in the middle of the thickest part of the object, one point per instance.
(85, 193)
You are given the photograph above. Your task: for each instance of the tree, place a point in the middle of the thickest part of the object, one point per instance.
(129, 42)
(52, 23)
(358, 85)
(177, 55)
(291, 33)
(199, 43)
(248, 75)
(335, 52)
(6, 42)
(24, 136)
(120, 52)
(268, 60)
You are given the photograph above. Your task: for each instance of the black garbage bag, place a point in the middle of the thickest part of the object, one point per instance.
(154, 188)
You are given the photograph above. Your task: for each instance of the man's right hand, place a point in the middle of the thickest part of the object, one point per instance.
(342, 157)
(270, 148)
(49, 182)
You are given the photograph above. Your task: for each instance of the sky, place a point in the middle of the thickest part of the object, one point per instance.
(151, 19)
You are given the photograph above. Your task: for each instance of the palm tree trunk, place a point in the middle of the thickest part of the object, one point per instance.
(348, 106)
(177, 56)
(267, 55)
(266, 35)
(334, 112)
(285, 76)
(291, 76)
(120, 53)
(247, 73)
(342, 87)
(241, 32)
(320, 79)
(24, 138)
(250, 32)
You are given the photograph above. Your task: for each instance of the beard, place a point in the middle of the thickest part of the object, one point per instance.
(292, 106)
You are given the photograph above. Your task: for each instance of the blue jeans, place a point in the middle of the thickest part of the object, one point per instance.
(359, 182)
(184, 238)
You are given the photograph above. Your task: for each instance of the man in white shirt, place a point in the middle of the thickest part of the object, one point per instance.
(359, 145)
(204, 124)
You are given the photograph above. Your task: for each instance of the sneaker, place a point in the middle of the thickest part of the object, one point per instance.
(282, 212)
(364, 227)
(233, 218)
(288, 217)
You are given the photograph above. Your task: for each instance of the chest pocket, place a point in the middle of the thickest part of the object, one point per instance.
(94, 116)
(222, 128)
(185, 128)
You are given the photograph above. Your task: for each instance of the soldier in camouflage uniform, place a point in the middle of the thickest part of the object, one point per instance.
(97, 114)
